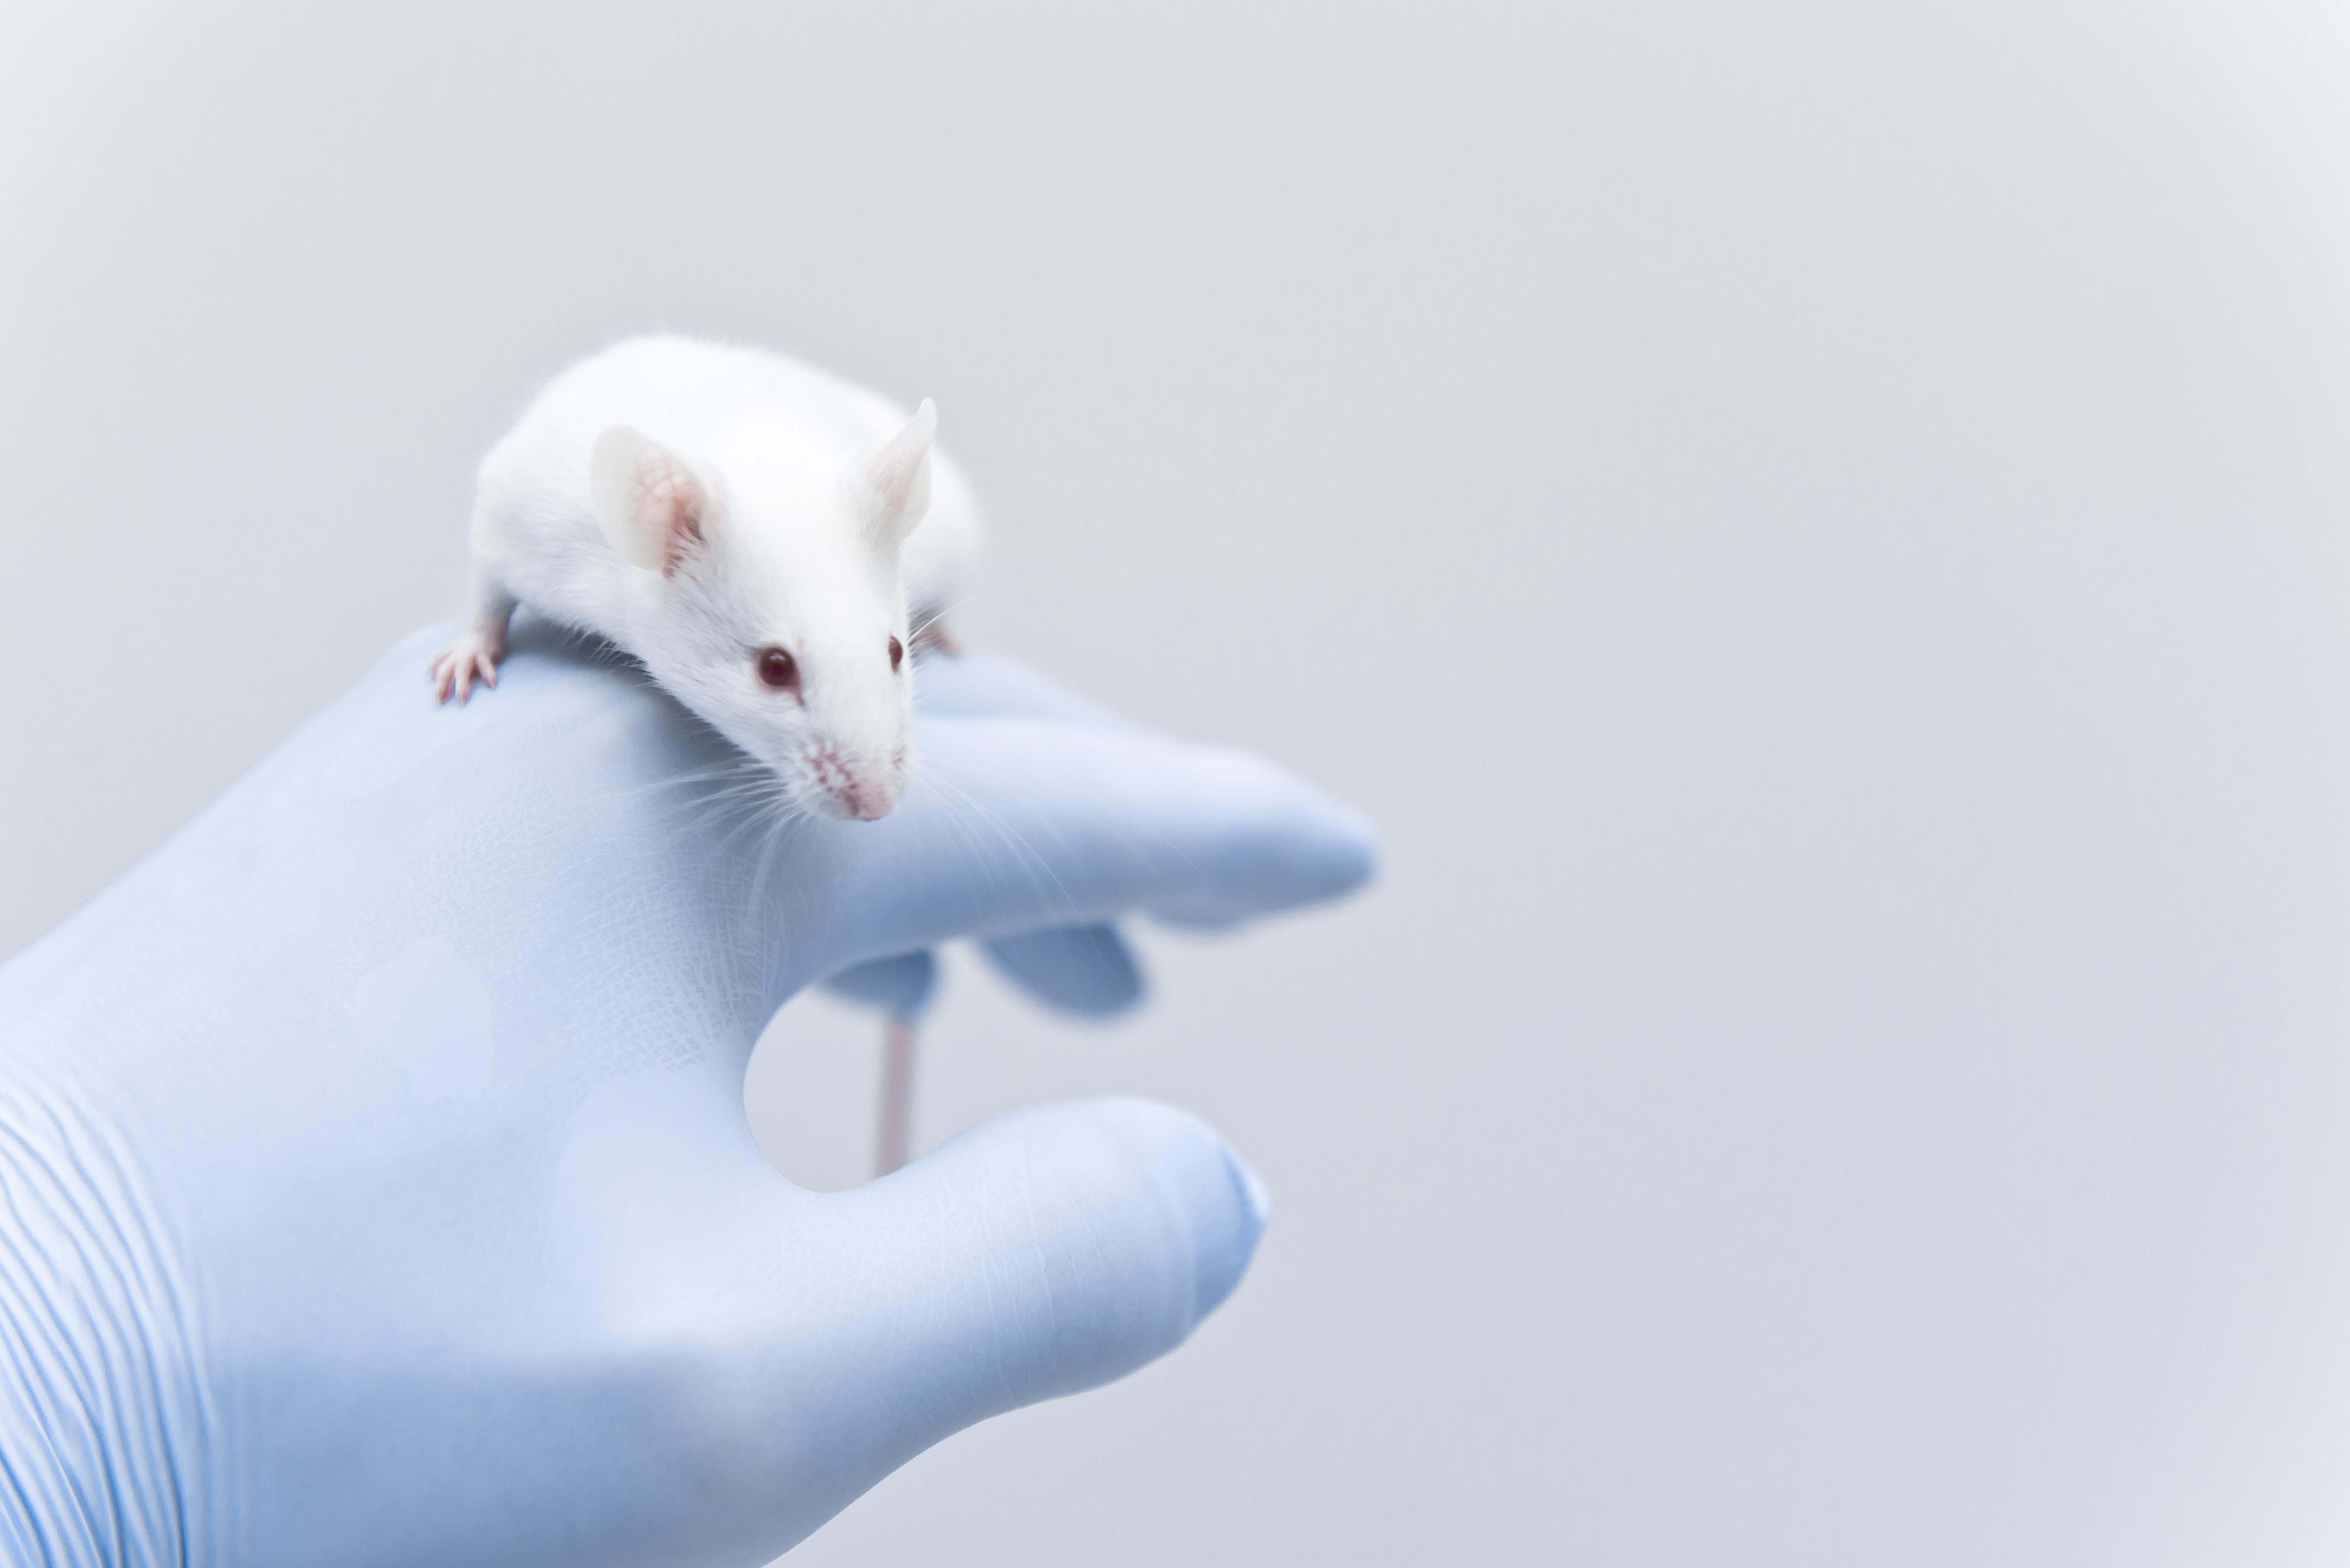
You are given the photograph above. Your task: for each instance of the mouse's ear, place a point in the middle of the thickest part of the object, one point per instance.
(893, 488)
(651, 504)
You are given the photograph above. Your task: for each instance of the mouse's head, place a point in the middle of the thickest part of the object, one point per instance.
(773, 604)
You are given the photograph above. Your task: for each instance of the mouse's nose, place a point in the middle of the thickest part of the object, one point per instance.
(865, 793)
(864, 802)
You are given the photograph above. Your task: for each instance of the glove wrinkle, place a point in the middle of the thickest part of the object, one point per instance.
(104, 1415)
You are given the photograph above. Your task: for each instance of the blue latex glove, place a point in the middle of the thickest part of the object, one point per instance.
(378, 1187)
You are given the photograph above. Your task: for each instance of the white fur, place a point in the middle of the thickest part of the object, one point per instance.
(693, 503)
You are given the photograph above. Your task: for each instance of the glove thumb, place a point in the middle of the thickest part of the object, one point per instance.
(1048, 1251)
(804, 1346)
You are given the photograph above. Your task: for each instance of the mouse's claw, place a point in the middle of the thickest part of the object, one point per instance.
(472, 657)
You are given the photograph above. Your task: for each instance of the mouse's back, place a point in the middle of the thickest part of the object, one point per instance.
(752, 529)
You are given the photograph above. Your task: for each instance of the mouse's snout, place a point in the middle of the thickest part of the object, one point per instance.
(863, 788)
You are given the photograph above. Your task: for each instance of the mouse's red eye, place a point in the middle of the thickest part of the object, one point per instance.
(897, 653)
(778, 669)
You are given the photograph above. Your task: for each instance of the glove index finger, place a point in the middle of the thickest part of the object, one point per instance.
(1017, 826)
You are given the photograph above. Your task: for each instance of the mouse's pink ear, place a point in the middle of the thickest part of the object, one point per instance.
(893, 488)
(653, 507)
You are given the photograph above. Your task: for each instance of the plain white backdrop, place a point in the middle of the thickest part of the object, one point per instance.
(1818, 530)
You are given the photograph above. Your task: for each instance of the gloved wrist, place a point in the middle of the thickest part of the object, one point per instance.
(103, 1458)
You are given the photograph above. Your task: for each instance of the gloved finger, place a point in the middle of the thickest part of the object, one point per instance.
(1048, 1251)
(901, 986)
(988, 685)
(1086, 970)
(1042, 1253)
(1016, 824)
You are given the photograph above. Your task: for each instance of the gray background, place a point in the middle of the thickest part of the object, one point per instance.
(1816, 530)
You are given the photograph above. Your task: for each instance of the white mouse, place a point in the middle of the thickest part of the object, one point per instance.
(771, 541)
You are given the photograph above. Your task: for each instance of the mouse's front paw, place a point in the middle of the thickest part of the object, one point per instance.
(471, 657)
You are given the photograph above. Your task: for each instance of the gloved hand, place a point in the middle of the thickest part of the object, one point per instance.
(377, 1177)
